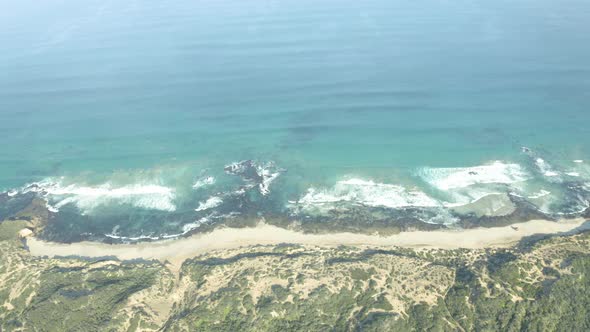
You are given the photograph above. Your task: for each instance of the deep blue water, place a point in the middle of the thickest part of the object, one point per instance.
(119, 108)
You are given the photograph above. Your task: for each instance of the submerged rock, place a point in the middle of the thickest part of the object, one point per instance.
(255, 174)
(488, 206)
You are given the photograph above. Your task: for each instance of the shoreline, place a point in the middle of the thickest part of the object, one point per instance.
(178, 250)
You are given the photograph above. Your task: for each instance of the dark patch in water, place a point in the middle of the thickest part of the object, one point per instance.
(69, 225)
(298, 136)
(369, 219)
(246, 169)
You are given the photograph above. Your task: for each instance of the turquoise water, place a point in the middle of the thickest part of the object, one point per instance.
(111, 95)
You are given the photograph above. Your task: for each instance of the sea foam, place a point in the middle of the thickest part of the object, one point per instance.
(365, 192)
(540, 194)
(204, 182)
(268, 175)
(545, 168)
(87, 198)
(210, 203)
(460, 177)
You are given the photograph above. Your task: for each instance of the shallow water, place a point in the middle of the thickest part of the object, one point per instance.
(119, 109)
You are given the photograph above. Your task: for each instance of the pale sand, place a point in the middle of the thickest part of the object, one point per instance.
(176, 251)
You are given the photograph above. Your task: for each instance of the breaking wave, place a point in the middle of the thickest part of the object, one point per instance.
(186, 228)
(88, 198)
(250, 188)
(460, 177)
(540, 194)
(368, 193)
(204, 182)
(458, 187)
(546, 169)
(210, 203)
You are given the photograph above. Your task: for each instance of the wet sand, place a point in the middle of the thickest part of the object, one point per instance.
(176, 251)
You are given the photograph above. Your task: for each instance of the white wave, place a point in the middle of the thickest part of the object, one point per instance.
(540, 194)
(461, 177)
(133, 238)
(191, 226)
(210, 203)
(87, 198)
(240, 191)
(194, 225)
(581, 208)
(581, 170)
(545, 168)
(238, 167)
(369, 193)
(442, 217)
(204, 182)
(578, 161)
(268, 176)
(51, 208)
(115, 235)
(185, 229)
(12, 193)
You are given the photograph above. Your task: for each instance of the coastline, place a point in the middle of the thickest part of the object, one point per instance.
(178, 250)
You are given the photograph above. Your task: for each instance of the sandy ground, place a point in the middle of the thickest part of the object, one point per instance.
(176, 251)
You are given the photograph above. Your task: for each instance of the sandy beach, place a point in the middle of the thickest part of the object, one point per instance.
(176, 251)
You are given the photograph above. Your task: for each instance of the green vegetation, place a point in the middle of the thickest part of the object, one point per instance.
(84, 299)
(64, 294)
(9, 229)
(541, 286)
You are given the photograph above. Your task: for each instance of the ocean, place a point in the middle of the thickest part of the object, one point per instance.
(149, 119)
